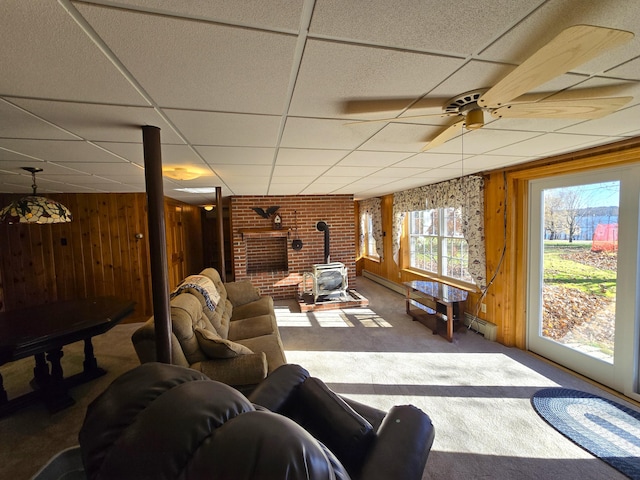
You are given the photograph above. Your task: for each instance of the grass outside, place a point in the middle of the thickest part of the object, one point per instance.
(579, 295)
(573, 265)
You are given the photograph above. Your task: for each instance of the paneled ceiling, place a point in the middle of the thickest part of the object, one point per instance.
(255, 94)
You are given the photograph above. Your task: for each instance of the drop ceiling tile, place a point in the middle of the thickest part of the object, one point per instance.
(59, 150)
(544, 24)
(213, 67)
(318, 133)
(298, 156)
(241, 188)
(285, 189)
(432, 25)
(400, 137)
(307, 171)
(87, 180)
(110, 169)
(226, 129)
(118, 188)
(621, 123)
(45, 54)
(16, 123)
(549, 143)
(279, 14)
(378, 159)
(480, 163)
(351, 171)
(333, 73)
(101, 123)
(429, 160)
(477, 142)
(172, 155)
(236, 155)
(230, 171)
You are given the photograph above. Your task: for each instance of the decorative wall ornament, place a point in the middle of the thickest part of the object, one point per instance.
(265, 213)
(34, 208)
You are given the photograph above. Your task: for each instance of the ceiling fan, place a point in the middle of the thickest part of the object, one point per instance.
(572, 47)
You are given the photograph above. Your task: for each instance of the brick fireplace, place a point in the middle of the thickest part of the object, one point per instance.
(265, 256)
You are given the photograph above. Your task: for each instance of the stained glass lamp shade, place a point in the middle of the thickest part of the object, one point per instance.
(34, 208)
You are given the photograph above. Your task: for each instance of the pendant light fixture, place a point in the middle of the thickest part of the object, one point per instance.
(34, 208)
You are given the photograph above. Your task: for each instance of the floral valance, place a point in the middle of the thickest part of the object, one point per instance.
(466, 193)
(372, 207)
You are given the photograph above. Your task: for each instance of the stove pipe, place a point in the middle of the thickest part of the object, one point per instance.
(323, 227)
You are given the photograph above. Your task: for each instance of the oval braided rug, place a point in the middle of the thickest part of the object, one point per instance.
(606, 429)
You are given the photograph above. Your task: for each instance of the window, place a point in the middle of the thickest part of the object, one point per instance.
(436, 243)
(367, 241)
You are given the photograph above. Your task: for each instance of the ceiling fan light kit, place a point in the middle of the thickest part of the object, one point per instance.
(574, 46)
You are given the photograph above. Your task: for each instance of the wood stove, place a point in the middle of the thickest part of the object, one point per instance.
(329, 280)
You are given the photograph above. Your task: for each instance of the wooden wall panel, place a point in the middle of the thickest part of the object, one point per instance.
(95, 254)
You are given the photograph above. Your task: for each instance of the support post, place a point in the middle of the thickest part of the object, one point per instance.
(157, 242)
(220, 224)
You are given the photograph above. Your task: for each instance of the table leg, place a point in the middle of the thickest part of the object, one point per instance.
(450, 322)
(56, 395)
(3, 392)
(90, 363)
(41, 376)
(408, 300)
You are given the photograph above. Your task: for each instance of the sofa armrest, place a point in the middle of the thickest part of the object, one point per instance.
(144, 342)
(241, 292)
(242, 370)
(275, 391)
(401, 446)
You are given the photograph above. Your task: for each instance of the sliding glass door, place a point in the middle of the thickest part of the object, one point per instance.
(583, 274)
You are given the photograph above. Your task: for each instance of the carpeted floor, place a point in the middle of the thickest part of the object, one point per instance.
(477, 392)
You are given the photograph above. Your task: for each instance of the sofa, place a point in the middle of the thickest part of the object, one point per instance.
(225, 330)
(168, 422)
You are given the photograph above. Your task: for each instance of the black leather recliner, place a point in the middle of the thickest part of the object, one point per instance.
(163, 421)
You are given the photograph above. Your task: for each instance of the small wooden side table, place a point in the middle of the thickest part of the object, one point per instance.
(435, 301)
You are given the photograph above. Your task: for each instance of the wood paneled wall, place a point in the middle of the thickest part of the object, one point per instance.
(95, 254)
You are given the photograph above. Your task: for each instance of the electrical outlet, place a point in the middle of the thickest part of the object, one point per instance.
(399, 275)
(483, 307)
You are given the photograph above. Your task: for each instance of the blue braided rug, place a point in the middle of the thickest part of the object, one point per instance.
(606, 429)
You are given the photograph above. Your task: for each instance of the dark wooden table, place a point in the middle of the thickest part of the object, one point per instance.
(435, 301)
(42, 331)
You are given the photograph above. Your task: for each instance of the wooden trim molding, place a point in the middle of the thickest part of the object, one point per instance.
(508, 189)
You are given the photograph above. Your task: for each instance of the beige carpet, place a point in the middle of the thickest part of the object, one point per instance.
(477, 392)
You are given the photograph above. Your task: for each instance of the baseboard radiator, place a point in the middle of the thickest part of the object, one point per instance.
(488, 329)
(396, 287)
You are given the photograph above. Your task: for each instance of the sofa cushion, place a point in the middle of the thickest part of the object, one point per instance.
(261, 306)
(251, 327)
(215, 346)
(271, 345)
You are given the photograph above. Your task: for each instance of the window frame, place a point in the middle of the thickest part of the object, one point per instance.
(442, 239)
(369, 241)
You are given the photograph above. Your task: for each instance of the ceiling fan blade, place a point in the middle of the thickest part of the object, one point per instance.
(572, 47)
(445, 135)
(408, 119)
(581, 108)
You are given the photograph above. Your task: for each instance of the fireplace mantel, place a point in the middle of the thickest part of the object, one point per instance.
(262, 232)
